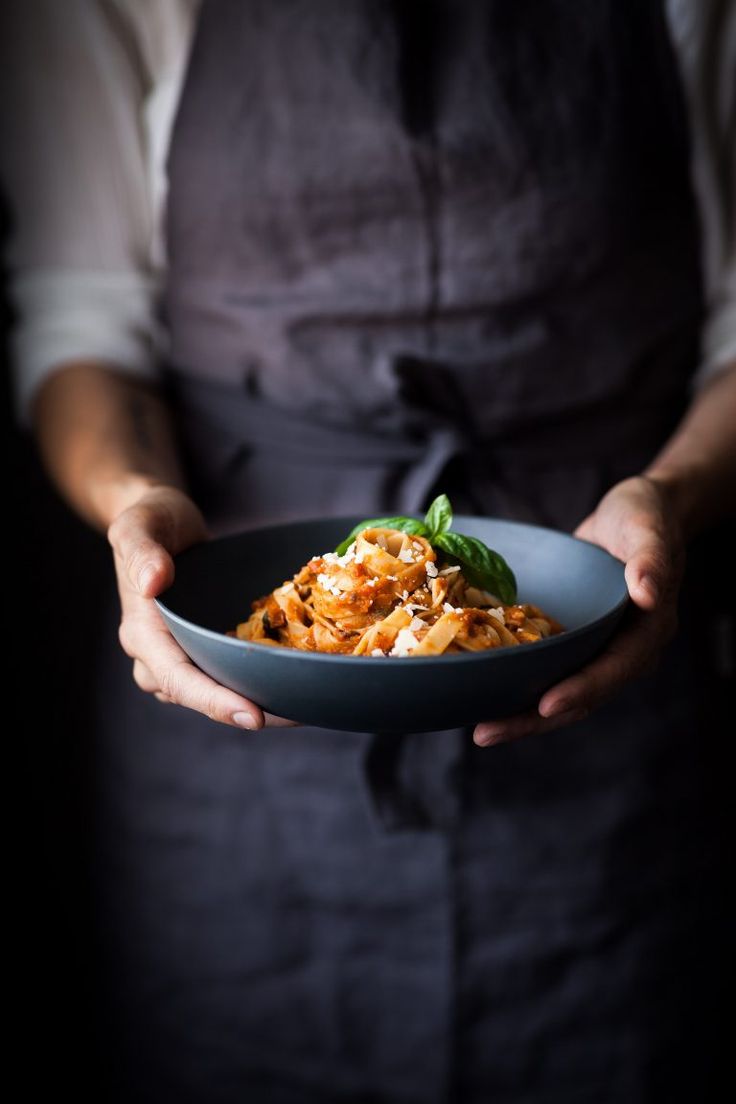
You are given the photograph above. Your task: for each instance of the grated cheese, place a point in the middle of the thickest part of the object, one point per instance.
(404, 644)
(327, 584)
(340, 561)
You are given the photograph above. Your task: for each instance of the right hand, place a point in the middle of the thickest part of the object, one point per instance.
(144, 538)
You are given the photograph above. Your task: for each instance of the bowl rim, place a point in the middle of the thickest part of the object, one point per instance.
(485, 655)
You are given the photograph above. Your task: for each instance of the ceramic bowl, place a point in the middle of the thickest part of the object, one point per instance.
(576, 582)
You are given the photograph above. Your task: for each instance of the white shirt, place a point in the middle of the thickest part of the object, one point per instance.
(92, 88)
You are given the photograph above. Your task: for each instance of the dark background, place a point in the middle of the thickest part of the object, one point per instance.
(58, 572)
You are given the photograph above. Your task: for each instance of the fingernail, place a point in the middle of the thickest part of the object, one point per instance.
(492, 735)
(246, 720)
(485, 741)
(556, 708)
(146, 577)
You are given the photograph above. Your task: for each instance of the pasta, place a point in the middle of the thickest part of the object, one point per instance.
(389, 596)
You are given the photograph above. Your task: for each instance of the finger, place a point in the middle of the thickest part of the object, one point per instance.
(650, 572)
(489, 733)
(186, 685)
(272, 721)
(177, 677)
(147, 682)
(586, 529)
(145, 562)
(632, 653)
(147, 565)
(130, 634)
(144, 679)
(169, 670)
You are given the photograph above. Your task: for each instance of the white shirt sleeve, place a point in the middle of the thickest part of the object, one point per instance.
(91, 89)
(704, 34)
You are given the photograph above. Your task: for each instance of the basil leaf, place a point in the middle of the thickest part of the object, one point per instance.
(482, 566)
(439, 516)
(405, 524)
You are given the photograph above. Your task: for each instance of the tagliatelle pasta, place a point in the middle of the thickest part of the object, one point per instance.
(389, 596)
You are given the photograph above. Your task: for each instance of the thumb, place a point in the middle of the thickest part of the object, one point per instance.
(650, 571)
(146, 563)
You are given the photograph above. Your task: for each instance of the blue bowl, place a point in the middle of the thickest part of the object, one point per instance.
(578, 583)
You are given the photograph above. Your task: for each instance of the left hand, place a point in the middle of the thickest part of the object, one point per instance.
(637, 523)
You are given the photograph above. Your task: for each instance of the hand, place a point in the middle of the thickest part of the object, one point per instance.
(637, 524)
(144, 537)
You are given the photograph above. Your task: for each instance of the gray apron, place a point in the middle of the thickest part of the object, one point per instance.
(413, 248)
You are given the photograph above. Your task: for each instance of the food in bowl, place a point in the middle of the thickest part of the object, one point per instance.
(577, 582)
(399, 587)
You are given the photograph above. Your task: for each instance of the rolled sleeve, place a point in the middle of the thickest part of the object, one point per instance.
(704, 34)
(63, 316)
(84, 254)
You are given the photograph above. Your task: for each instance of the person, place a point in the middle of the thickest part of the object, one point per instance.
(442, 224)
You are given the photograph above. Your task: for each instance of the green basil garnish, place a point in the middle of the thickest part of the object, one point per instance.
(439, 517)
(482, 567)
